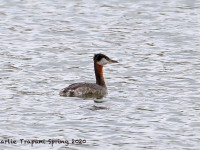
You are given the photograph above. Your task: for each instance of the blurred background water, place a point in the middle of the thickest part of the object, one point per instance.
(154, 92)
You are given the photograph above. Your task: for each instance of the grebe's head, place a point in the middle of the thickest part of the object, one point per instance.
(102, 59)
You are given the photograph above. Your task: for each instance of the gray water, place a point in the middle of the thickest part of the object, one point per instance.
(153, 99)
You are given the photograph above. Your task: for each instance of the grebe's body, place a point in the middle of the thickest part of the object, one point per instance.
(84, 90)
(97, 89)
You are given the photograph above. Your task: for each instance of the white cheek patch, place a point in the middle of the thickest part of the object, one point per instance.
(103, 62)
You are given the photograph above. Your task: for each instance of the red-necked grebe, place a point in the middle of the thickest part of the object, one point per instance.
(97, 89)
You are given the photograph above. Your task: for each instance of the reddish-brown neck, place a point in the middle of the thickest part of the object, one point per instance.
(99, 74)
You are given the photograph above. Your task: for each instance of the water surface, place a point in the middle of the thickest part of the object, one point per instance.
(154, 90)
